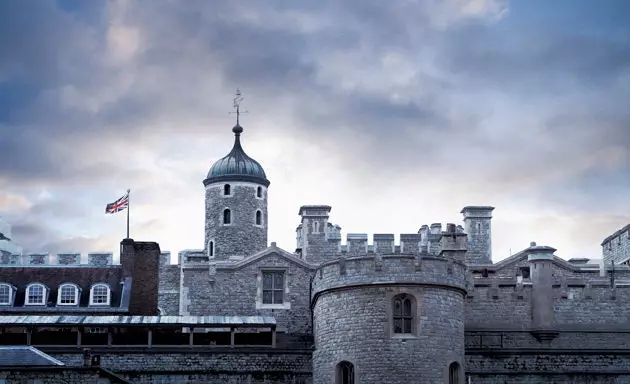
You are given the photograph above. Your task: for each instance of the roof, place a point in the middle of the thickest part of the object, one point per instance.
(20, 356)
(236, 165)
(208, 321)
(53, 277)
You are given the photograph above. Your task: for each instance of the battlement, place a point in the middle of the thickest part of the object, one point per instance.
(426, 241)
(94, 259)
(390, 269)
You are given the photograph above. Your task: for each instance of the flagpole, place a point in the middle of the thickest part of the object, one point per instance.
(128, 207)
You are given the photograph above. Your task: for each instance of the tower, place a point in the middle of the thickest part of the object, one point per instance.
(393, 319)
(236, 202)
(477, 223)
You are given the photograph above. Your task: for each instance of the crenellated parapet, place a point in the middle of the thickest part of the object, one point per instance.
(319, 241)
(390, 269)
(95, 259)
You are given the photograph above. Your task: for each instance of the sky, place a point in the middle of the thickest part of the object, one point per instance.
(396, 113)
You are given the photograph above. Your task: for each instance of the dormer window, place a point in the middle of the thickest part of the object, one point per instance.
(227, 190)
(6, 294)
(100, 294)
(35, 294)
(259, 192)
(68, 295)
(227, 216)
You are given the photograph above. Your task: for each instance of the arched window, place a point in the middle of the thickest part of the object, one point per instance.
(403, 314)
(453, 373)
(258, 218)
(227, 216)
(226, 189)
(100, 294)
(210, 248)
(35, 294)
(344, 373)
(259, 192)
(68, 295)
(6, 294)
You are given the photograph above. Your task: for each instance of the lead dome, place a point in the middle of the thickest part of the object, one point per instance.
(236, 165)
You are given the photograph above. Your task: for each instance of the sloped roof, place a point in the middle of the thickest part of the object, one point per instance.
(20, 356)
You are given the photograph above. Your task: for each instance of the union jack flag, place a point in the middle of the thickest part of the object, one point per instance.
(118, 205)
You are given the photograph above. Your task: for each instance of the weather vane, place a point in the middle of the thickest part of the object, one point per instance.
(238, 98)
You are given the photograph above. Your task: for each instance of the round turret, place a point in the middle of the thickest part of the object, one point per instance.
(236, 204)
(389, 319)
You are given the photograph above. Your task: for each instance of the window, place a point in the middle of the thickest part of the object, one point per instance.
(315, 227)
(525, 272)
(68, 295)
(478, 227)
(226, 190)
(6, 294)
(35, 294)
(453, 373)
(259, 192)
(273, 287)
(99, 295)
(210, 248)
(227, 216)
(344, 373)
(258, 218)
(403, 314)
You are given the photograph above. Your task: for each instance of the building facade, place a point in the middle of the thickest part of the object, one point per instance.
(431, 307)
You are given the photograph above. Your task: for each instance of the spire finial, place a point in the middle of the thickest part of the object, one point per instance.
(236, 103)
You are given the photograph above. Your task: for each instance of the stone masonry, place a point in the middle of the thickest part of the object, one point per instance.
(241, 237)
(616, 247)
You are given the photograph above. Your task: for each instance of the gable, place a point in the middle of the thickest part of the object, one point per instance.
(272, 256)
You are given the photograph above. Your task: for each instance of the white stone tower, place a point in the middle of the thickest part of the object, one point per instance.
(236, 203)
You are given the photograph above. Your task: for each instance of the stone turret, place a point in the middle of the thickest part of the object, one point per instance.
(372, 315)
(478, 226)
(236, 205)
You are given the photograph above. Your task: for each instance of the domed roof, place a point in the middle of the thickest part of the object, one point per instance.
(237, 166)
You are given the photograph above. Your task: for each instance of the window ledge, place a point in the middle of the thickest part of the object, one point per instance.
(260, 305)
(404, 336)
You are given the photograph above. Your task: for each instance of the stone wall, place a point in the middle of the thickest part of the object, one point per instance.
(616, 247)
(233, 366)
(236, 290)
(169, 286)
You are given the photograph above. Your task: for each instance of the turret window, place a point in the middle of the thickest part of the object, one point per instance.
(403, 316)
(227, 217)
(259, 192)
(227, 190)
(258, 218)
(210, 248)
(344, 373)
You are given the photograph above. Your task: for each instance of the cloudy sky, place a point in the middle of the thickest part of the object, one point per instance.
(396, 113)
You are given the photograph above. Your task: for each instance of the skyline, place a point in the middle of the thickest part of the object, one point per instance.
(396, 116)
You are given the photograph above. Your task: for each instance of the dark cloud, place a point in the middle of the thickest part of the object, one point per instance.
(409, 87)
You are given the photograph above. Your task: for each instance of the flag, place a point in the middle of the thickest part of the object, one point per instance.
(118, 205)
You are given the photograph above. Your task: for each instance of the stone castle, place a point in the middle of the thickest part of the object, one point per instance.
(432, 309)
